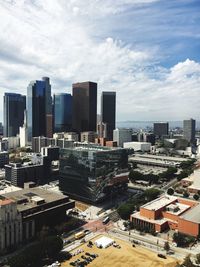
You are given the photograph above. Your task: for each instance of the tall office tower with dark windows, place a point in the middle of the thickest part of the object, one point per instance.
(39, 107)
(14, 106)
(189, 130)
(161, 129)
(62, 112)
(108, 112)
(84, 115)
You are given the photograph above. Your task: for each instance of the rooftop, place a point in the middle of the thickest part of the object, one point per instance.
(24, 197)
(177, 208)
(195, 179)
(164, 158)
(159, 203)
(193, 214)
(4, 202)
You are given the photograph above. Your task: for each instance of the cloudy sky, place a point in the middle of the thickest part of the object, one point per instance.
(148, 51)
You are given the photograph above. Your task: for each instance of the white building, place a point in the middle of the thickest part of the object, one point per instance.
(72, 136)
(13, 142)
(10, 224)
(23, 132)
(122, 135)
(138, 146)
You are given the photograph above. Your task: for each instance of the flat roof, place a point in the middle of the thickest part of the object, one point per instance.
(4, 202)
(192, 215)
(159, 203)
(161, 221)
(181, 208)
(26, 194)
(5, 188)
(195, 179)
(179, 159)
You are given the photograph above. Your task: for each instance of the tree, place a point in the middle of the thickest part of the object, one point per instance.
(135, 175)
(53, 245)
(185, 194)
(182, 240)
(187, 164)
(125, 210)
(197, 260)
(170, 191)
(151, 194)
(166, 246)
(32, 255)
(196, 196)
(187, 262)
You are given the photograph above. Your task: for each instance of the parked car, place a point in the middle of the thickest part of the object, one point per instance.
(161, 256)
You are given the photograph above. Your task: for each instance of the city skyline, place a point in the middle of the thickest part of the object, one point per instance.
(146, 51)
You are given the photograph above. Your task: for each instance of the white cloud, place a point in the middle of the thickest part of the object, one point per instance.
(57, 39)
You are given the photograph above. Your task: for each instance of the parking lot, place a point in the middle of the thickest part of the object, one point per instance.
(124, 254)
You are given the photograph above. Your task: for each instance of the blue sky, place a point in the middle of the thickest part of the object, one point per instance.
(145, 50)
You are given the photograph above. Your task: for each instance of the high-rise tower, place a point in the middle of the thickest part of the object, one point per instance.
(62, 112)
(39, 107)
(189, 130)
(14, 106)
(108, 112)
(84, 107)
(23, 132)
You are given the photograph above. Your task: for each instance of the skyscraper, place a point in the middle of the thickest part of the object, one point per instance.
(14, 106)
(122, 135)
(62, 112)
(84, 106)
(23, 132)
(189, 130)
(39, 107)
(108, 110)
(160, 129)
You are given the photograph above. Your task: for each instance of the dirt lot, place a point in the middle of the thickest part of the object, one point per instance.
(127, 256)
(81, 206)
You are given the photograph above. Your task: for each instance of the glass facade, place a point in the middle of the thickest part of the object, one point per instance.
(14, 106)
(39, 106)
(108, 112)
(88, 173)
(62, 112)
(84, 107)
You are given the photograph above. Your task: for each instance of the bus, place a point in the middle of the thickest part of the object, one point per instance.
(106, 220)
(79, 235)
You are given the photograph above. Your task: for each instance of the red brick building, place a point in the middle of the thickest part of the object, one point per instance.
(169, 212)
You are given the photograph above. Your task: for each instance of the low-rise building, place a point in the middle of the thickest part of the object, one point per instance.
(88, 137)
(3, 145)
(13, 142)
(122, 135)
(169, 212)
(192, 183)
(10, 224)
(29, 210)
(138, 146)
(51, 152)
(4, 159)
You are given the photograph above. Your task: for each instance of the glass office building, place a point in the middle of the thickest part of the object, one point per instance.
(39, 108)
(108, 112)
(89, 173)
(84, 107)
(62, 112)
(14, 106)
